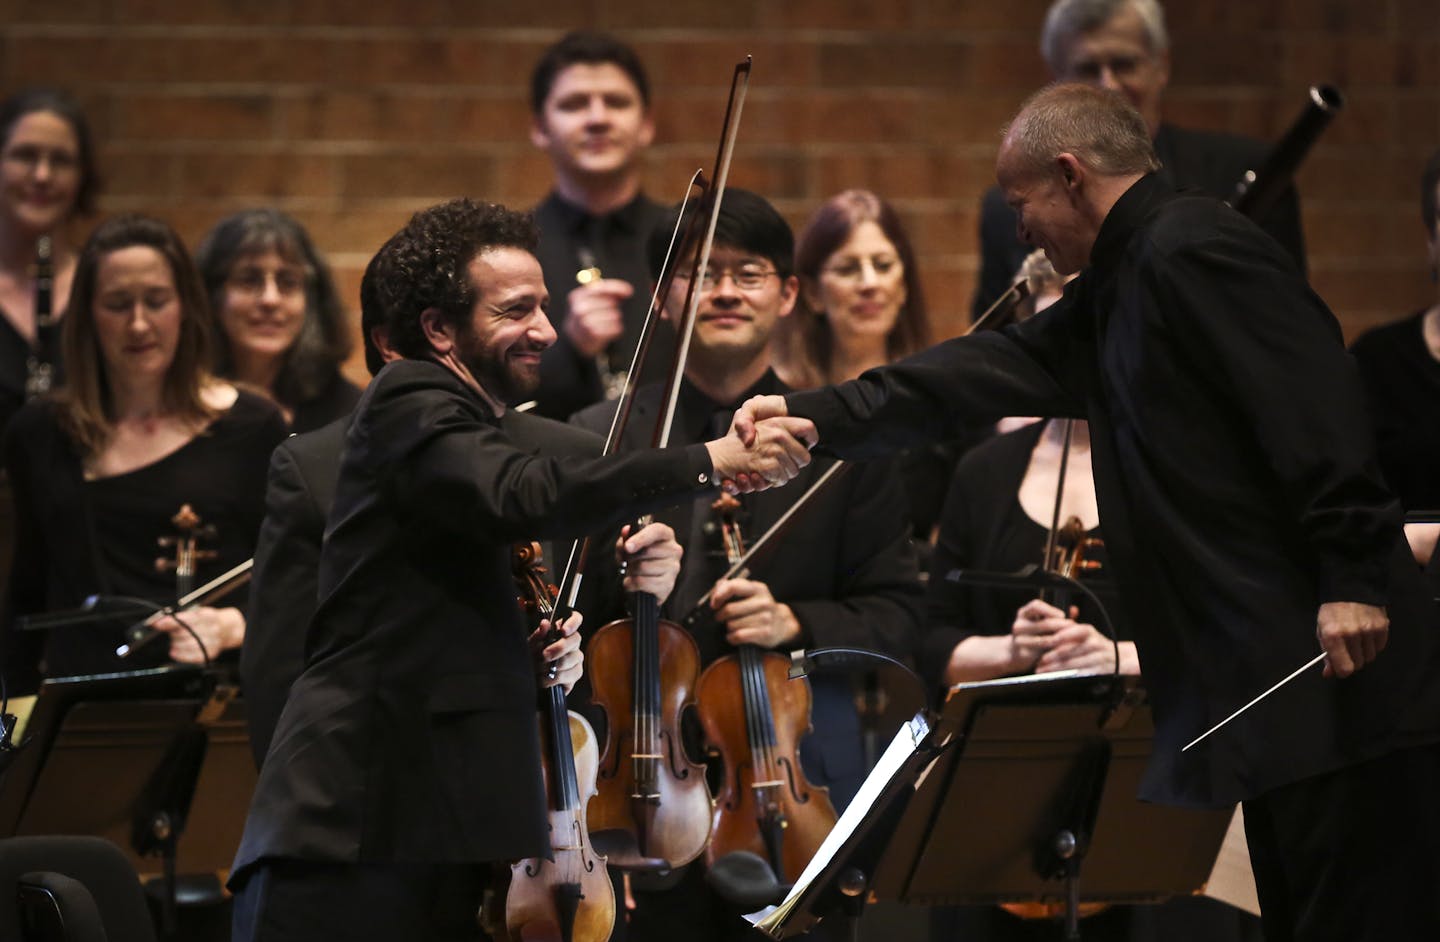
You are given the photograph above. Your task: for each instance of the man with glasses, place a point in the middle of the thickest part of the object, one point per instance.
(843, 573)
(1122, 45)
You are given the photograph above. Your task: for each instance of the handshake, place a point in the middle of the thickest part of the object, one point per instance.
(765, 447)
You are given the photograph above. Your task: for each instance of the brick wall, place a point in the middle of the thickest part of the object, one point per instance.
(352, 115)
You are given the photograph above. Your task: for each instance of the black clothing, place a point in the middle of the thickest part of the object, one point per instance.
(301, 901)
(419, 685)
(616, 245)
(287, 557)
(335, 400)
(1232, 465)
(77, 538)
(984, 527)
(1365, 833)
(1402, 388)
(1205, 161)
(845, 567)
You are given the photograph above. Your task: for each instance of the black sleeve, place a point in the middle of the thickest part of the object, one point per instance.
(1027, 369)
(30, 438)
(1274, 350)
(282, 596)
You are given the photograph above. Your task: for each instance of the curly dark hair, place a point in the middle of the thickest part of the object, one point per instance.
(425, 265)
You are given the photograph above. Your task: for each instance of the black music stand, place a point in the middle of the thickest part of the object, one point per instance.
(1051, 765)
(156, 761)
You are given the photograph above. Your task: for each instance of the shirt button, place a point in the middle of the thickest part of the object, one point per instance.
(703, 478)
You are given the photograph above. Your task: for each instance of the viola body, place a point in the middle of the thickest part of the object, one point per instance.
(766, 805)
(647, 786)
(570, 898)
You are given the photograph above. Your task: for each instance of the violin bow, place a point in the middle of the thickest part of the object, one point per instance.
(739, 84)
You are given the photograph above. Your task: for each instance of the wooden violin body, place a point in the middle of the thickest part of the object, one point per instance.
(643, 672)
(766, 805)
(569, 898)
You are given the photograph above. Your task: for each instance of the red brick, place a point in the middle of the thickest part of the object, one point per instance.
(675, 64)
(1225, 59)
(1185, 18)
(956, 117)
(72, 11)
(836, 14)
(1417, 17)
(139, 173)
(886, 62)
(1342, 17)
(417, 175)
(147, 116)
(620, 15)
(1022, 17)
(260, 177)
(88, 57)
(360, 229)
(191, 12)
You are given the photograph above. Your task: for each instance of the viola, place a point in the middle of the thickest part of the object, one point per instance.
(652, 800)
(568, 898)
(755, 716)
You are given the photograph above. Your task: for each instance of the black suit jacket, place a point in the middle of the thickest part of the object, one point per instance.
(845, 566)
(1201, 160)
(1235, 472)
(411, 734)
(301, 489)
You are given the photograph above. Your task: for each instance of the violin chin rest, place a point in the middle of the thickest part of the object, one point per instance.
(746, 880)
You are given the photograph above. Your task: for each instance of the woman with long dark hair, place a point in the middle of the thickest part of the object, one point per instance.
(279, 325)
(102, 469)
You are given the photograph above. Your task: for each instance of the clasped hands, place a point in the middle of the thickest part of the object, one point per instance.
(766, 447)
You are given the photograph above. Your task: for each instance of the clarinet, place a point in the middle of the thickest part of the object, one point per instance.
(40, 364)
(1258, 189)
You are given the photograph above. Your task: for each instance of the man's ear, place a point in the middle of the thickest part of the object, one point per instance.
(439, 333)
(538, 135)
(1071, 171)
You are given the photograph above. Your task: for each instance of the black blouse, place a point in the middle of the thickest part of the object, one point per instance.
(76, 538)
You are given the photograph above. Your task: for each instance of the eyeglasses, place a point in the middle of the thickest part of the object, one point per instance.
(29, 158)
(252, 281)
(746, 277)
(1090, 70)
(853, 269)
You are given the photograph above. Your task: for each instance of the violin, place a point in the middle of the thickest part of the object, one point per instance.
(568, 898)
(653, 805)
(754, 716)
(185, 541)
(648, 788)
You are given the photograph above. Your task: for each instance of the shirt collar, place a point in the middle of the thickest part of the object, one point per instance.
(628, 218)
(1129, 212)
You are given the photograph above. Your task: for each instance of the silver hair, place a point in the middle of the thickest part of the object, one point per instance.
(1099, 127)
(1069, 18)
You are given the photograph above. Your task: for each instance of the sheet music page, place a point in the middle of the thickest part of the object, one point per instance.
(1022, 680)
(771, 918)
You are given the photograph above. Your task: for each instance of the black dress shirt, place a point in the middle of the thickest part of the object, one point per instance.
(616, 245)
(1234, 467)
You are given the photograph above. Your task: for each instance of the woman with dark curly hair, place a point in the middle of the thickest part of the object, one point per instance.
(279, 325)
(101, 469)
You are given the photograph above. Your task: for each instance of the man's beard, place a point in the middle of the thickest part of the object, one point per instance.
(510, 384)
